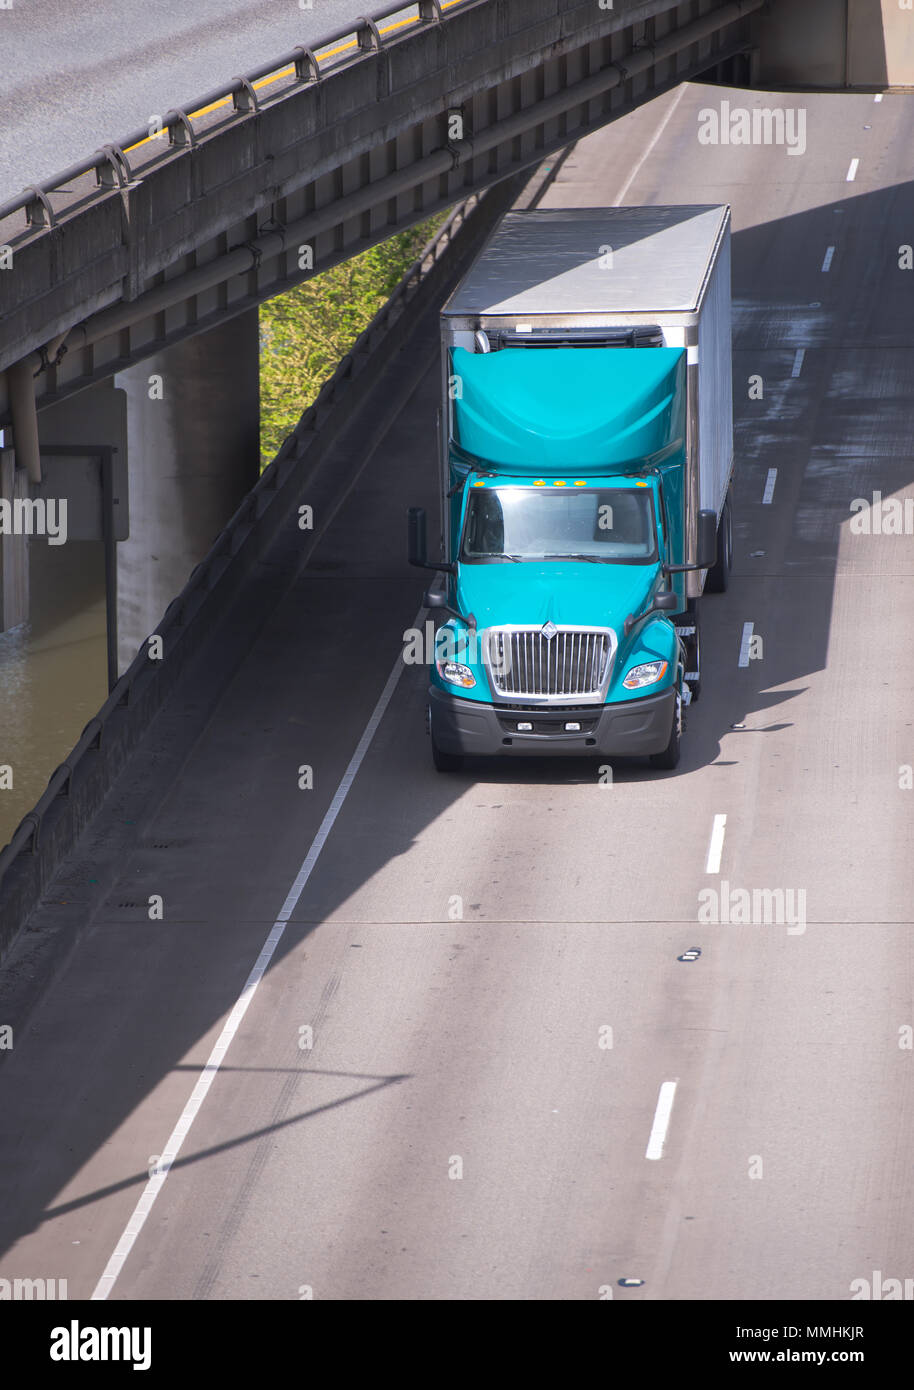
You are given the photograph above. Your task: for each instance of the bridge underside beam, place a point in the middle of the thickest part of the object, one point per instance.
(270, 198)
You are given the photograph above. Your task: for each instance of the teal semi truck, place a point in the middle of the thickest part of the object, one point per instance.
(586, 456)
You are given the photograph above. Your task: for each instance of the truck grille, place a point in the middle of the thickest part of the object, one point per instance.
(549, 663)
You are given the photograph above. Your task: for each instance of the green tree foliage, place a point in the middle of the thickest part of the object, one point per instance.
(305, 332)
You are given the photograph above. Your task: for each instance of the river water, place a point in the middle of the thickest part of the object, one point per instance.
(52, 671)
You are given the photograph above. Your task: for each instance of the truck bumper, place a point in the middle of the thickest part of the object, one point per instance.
(635, 728)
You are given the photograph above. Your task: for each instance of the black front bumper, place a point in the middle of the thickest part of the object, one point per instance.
(635, 728)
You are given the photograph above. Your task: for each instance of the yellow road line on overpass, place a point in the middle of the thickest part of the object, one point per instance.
(287, 72)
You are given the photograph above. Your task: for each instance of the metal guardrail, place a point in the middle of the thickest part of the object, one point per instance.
(26, 838)
(303, 64)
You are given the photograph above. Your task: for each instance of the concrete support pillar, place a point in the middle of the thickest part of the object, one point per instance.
(802, 44)
(67, 573)
(835, 43)
(880, 43)
(193, 430)
(14, 553)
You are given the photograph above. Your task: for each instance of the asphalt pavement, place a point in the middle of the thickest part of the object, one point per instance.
(489, 963)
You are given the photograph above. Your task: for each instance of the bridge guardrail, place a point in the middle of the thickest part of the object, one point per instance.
(303, 64)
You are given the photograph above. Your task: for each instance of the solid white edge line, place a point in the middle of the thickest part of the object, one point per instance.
(826, 264)
(770, 481)
(798, 362)
(199, 1093)
(744, 644)
(852, 171)
(660, 129)
(661, 1120)
(716, 847)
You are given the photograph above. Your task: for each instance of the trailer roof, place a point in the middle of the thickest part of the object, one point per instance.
(552, 261)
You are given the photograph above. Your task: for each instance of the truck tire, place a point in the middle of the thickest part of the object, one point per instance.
(718, 579)
(669, 758)
(445, 762)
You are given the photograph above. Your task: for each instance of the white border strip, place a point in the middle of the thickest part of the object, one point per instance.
(216, 1057)
(660, 129)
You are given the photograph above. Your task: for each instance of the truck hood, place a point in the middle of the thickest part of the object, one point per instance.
(560, 591)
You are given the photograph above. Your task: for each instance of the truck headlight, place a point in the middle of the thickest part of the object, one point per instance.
(456, 673)
(648, 674)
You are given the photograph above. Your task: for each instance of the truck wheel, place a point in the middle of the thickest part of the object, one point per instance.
(718, 579)
(445, 762)
(669, 758)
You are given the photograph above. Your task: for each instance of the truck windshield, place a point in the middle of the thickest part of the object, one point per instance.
(613, 525)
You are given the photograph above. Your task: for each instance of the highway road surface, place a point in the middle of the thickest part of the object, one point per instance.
(474, 1065)
(77, 75)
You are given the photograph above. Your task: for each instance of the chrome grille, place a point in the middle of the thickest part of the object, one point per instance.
(526, 663)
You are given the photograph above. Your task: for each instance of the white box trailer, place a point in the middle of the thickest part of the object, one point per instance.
(576, 276)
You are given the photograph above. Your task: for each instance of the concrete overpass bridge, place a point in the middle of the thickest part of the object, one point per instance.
(328, 148)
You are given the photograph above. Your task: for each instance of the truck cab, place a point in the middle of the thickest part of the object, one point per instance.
(573, 536)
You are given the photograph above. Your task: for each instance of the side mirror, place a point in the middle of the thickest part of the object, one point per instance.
(663, 603)
(433, 598)
(707, 539)
(417, 544)
(417, 551)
